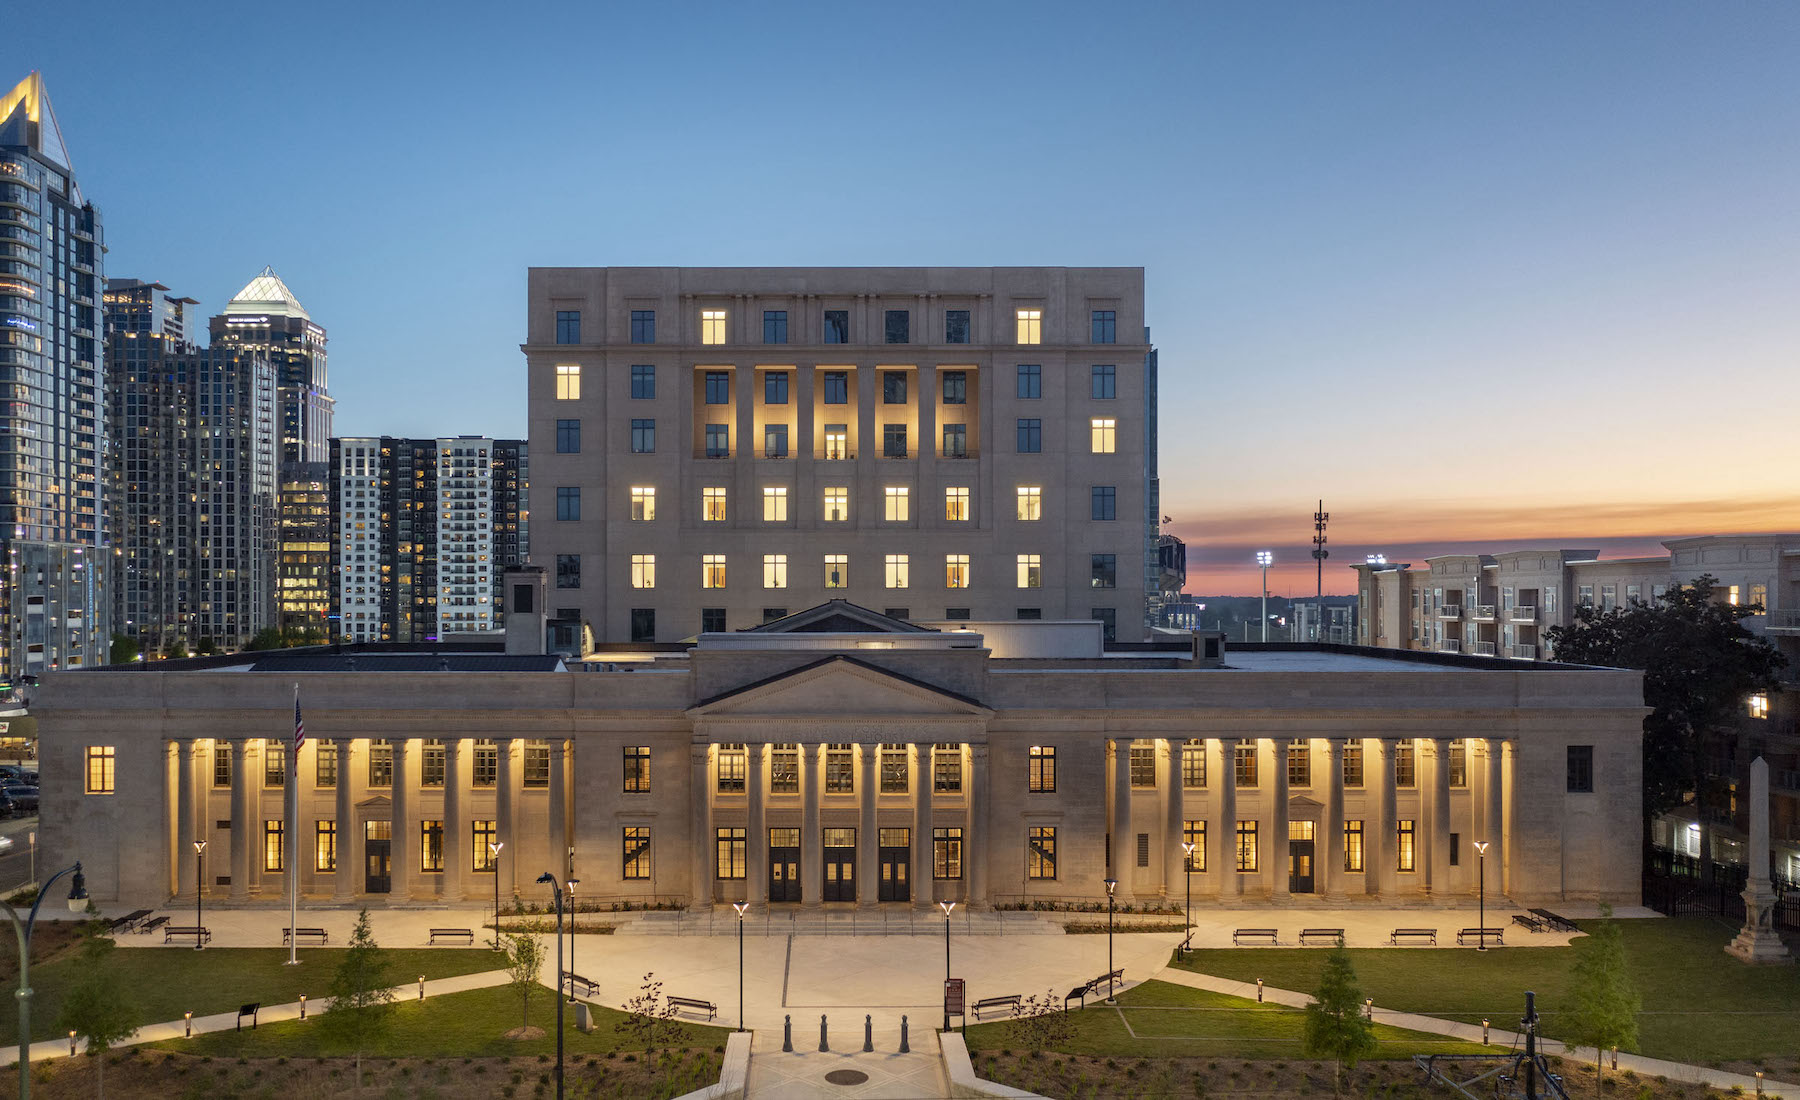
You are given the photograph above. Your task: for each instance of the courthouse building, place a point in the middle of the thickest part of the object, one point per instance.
(839, 756)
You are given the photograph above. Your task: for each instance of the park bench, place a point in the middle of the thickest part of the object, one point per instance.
(1329, 935)
(294, 935)
(1481, 934)
(173, 932)
(1560, 924)
(126, 922)
(1242, 934)
(572, 979)
(464, 934)
(1093, 987)
(152, 925)
(249, 1010)
(1530, 922)
(1427, 934)
(695, 1004)
(1010, 1002)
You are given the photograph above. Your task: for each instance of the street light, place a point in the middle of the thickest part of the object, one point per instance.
(199, 862)
(494, 850)
(740, 906)
(1481, 847)
(77, 902)
(946, 906)
(1187, 917)
(570, 887)
(555, 888)
(1265, 559)
(1111, 885)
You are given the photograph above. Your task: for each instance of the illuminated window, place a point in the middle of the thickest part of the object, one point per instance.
(1042, 776)
(568, 382)
(712, 326)
(1353, 763)
(1459, 763)
(274, 846)
(1143, 764)
(534, 764)
(1031, 571)
(432, 764)
(774, 504)
(956, 570)
(784, 769)
(637, 769)
(946, 853)
(893, 765)
(637, 852)
(1759, 706)
(487, 763)
(643, 502)
(896, 499)
(897, 572)
(712, 571)
(837, 442)
(712, 504)
(1407, 836)
(643, 570)
(1030, 325)
(774, 570)
(731, 853)
(840, 778)
(1759, 598)
(732, 764)
(431, 845)
(1193, 834)
(325, 764)
(274, 763)
(1731, 594)
(324, 845)
(483, 837)
(956, 504)
(837, 504)
(1031, 502)
(100, 763)
(1405, 764)
(1041, 852)
(837, 571)
(1103, 434)
(946, 769)
(1353, 845)
(1193, 765)
(1246, 845)
(1244, 765)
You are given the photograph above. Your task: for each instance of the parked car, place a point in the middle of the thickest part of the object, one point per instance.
(18, 773)
(23, 797)
(7, 806)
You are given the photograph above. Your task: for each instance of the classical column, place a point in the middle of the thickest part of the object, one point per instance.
(506, 817)
(1509, 816)
(405, 843)
(242, 828)
(922, 884)
(1278, 841)
(1439, 828)
(1174, 819)
(867, 872)
(185, 880)
(559, 806)
(1224, 777)
(349, 846)
(1387, 841)
(701, 851)
(1491, 803)
(1329, 863)
(1119, 824)
(756, 832)
(975, 821)
(812, 764)
(456, 827)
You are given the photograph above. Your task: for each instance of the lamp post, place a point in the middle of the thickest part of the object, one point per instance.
(1481, 847)
(494, 850)
(1111, 885)
(199, 878)
(570, 887)
(555, 888)
(1264, 558)
(77, 902)
(740, 906)
(1187, 916)
(947, 906)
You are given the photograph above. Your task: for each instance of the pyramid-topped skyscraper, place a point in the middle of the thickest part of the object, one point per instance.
(266, 317)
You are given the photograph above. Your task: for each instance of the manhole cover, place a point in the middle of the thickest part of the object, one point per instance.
(846, 1077)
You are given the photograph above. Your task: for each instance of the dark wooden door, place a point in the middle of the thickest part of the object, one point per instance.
(896, 866)
(1300, 866)
(840, 874)
(784, 865)
(375, 862)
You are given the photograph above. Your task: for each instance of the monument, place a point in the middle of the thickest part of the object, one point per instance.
(1757, 942)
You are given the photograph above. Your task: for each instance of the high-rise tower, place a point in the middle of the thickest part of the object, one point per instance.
(265, 317)
(53, 603)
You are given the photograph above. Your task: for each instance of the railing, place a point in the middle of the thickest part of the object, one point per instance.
(1449, 645)
(1482, 649)
(1449, 611)
(1784, 618)
(1522, 613)
(1522, 652)
(1483, 612)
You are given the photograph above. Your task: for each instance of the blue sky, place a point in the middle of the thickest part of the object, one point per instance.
(1520, 271)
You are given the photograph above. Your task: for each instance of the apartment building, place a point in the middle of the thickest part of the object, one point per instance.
(716, 447)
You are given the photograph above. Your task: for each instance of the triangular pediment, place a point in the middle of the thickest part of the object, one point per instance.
(838, 617)
(1303, 803)
(376, 802)
(839, 687)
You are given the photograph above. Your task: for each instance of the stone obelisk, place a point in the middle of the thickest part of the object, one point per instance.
(1758, 943)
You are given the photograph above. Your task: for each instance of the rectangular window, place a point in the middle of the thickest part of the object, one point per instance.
(568, 570)
(1246, 846)
(534, 767)
(732, 853)
(1031, 436)
(712, 326)
(487, 763)
(1459, 764)
(837, 571)
(1634, 593)
(784, 769)
(643, 503)
(1584, 595)
(840, 770)
(775, 440)
(325, 764)
(956, 326)
(1353, 763)
(221, 756)
(1104, 326)
(1193, 838)
(774, 326)
(946, 853)
(1455, 849)
(733, 766)
(568, 326)
(898, 326)
(1041, 852)
(1581, 769)
(712, 620)
(1030, 323)
(837, 504)
(643, 437)
(956, 387)
(893, 768)
(718, 441)
(1103, 502)
(1031, 502)
(1408, 854)
(324, 845)
(568, 502)
(643, 624)
(896, 571)
(775, 387)
(893, 440)
(1759, 598)
(893, 387)
(956, 570)
(896, 503)
(775, 570)
(568, 437)
(643, 382)
(1758, 706)
(568, 382)
(1609, 596)
(1405, 764)
(1143, 849)
(1245, 762)
(643, 570)
(101, 760)
(1108, 618)
(946, 769)
(643, 326)
(956, 504)
(1103, 571)
(1031, 570)
(1299, 764)
(837, 442)
(712, 571)
(837, 387)
(1353, 845)
(274, 846)
(381, 764)
(483, 837)
(1102, 428)
(718, 387)
(1193, 765)
(1143, 765)
(774, 504)
(635, 844)
(274, 763)
(1043, 769)
(837, 326)
(1105, 381)
(712, 504)
(432, 764)
(637, 769)
(431, 846)
(956, 441)
(1031, 381)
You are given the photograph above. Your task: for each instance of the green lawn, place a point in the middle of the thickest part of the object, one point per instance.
(1699, 1004)
(1162, 1020)
(164, 982)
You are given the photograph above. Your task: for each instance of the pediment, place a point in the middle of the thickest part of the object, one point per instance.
(838, 617)
(376, 802)
(1304, 804)
(839, 687)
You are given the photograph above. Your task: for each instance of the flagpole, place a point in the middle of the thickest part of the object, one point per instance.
(293, 805)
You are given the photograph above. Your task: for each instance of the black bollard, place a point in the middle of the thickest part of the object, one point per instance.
(787, 1035)
(868, 1034)
(904, 1048)
(823, 1045)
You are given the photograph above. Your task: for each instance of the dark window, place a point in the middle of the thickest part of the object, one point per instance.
(1106, 381)
(732, 764)
(956, 613)
(1244, 765)
(1455, 849)
(568, 502)
(568, 326)
(774, 326)
(1105, 500)
(643, 624)
(956, 326)
(712, 621)
(718, 441)
(1031, 380)
(1030, 613)
(1581, 769)
(1105, 571)
(837, 326)
(637, 769)
(893, 387)
(1105, 326)
(568, 437)
(775, 388)
(487, 764)
(643, 326)
(643, 382)
(770, 614)
(956, 387)
(568, 570)
(893, 768)
(775, 441)
(837, 387)
(956, 441)
(898, 612)
(840, 771)
(1042, 778)
(534, 764)
(1031, 436)
(893, 440)
(1193, 765)
(643, 437)
(899, 326)
(718, 387)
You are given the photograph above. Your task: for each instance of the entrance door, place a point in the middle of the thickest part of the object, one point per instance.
(1300, 857)
(840, 865)
(784, 865)
(377, 842)
(896, 860)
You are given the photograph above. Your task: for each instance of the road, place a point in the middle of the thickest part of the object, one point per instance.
(15, 862)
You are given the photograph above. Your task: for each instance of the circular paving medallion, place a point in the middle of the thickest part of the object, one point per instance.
(846, 1077)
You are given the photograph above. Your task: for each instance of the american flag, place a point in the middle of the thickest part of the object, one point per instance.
(299, 723)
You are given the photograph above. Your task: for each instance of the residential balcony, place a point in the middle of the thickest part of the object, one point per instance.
(1522, 613)
(1482, 612)
(1449, 611)
(1785, 779)
(1449, 645)
(1482, 649)
(1522, 652)
(1783, 620)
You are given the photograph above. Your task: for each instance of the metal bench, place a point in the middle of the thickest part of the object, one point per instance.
(1530, 922)
(1243, 934)
(1330, 935)
(1482, 935)
(1560, 924)
(127, 922)
(464, 934)
(1093, 987)
(249, 1010)
(572, 979)
(291, 935)
(152, 925)
(1009, 1002)
(678, 1003)
(172, 932)
(1427, 934)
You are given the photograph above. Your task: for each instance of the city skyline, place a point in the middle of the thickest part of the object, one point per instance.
(1436, 268)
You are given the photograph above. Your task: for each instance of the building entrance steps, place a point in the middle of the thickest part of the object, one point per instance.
(845, 920)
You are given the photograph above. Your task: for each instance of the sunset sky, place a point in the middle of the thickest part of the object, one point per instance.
(1478, 276)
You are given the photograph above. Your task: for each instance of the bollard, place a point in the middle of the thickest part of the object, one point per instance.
(1615, 1058)
(303, 1006)
(71, 1044)
(823, 1045)
(1369, 1007)
(1484, 1031)
(421, 987)
(904, 1048)
(787, 1034)
(189, 1017)
(1259, 999)
(868, 1034)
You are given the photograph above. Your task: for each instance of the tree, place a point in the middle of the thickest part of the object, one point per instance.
(98, 1006)
(1335, 1025)
(207, 647)
(124, 650)
(1699, 665)
(362, 998)
(524, 960)
(266, 638)
(1606, 1003)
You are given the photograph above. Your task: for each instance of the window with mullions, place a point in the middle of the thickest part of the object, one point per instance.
(946, 853)
(1353, 762)
(568, 381)
(897, 327)
(381, 763)
(1105, 382)
(274, 846)
(324, 845)
(274, 762)
(1103, 502)
(956, 504)
(893, 769)
(718, 441)
(1104, 326)
(643, 437)
(956, 326)
(1581, 769)
(784, 769)
(637, 769)
(1299, 764)
(712, 326)
(1194, 833)
(837, 387)
(1030, 323)
(325, 764)
(1031, 381)
(1143, 764)
(568, 502)
(643, 382)
(1406, 858)
(1353, 845)
(487, 764)
(733, 765)
(636, 854)
(431, 846)
(956, 387)
(893, 441)
(1245, 764)
(568, 326)
(840, 770)
(432, 764)
(643, 326)
(946, 769)
(775, 387)
(1040, 852)
(483, 837)
(1042, 778)
(732, 853)
(1193, 765)
(956, 441)
(568, 437)
(535, 771)
(718, 387)
(1459, 763)
(1103, 571)
(837, 326)
(1030, 436)
(1405, 764)
(775, 326)
(1246, 846)
(221, 758)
